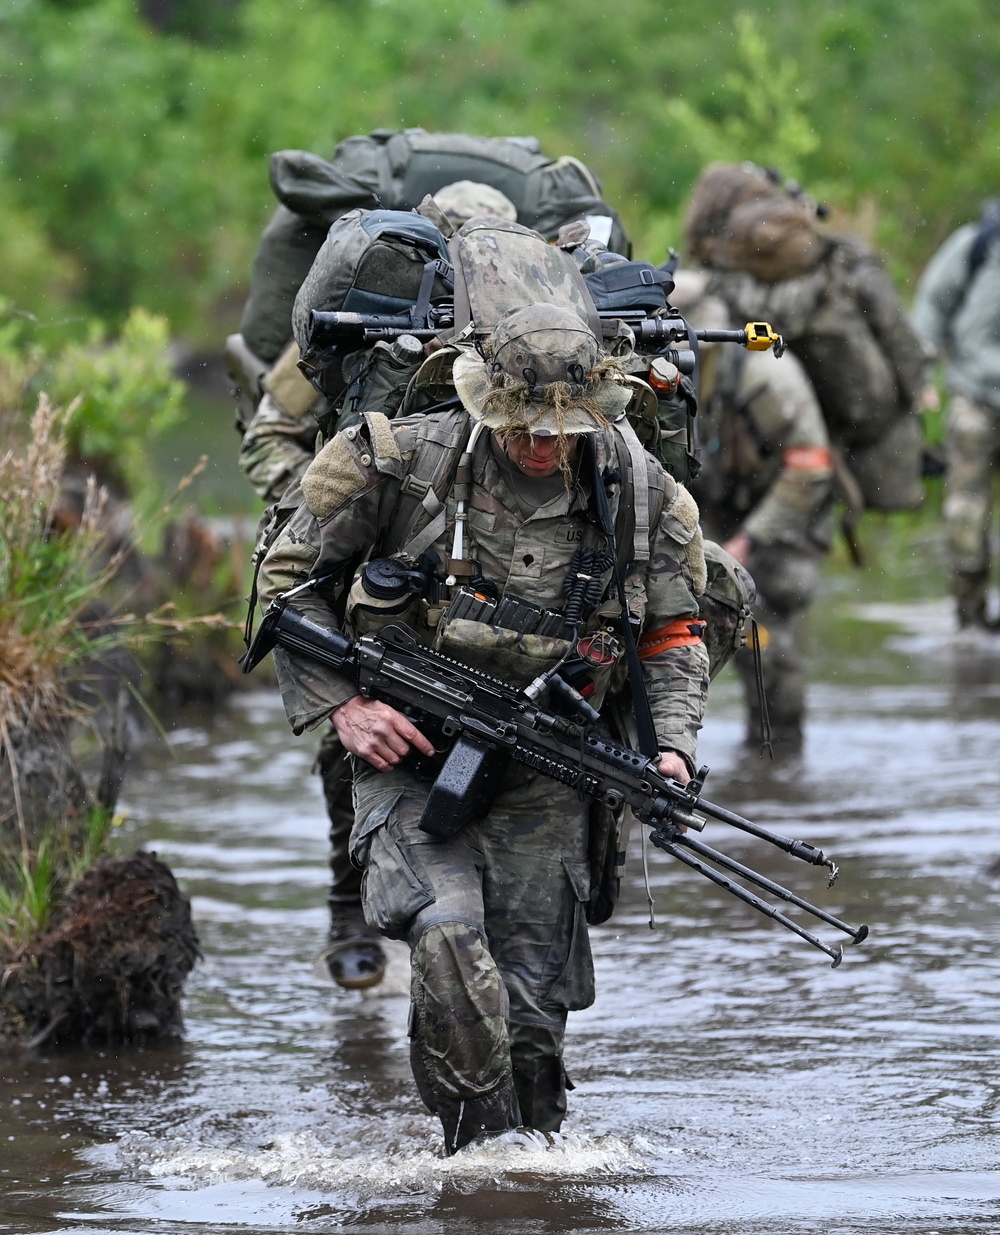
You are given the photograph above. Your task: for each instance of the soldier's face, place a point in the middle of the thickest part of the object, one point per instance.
(537, 455)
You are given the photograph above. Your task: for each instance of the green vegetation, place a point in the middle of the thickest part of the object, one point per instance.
(120, 393)
(34, 881)
(133, 149)
(64, 549)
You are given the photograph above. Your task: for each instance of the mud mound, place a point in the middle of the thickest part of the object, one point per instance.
(112, 965)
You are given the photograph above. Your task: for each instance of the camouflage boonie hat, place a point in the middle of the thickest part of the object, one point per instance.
(543, 372)
(468, 199)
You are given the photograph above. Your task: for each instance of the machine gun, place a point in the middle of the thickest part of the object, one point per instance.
(650, 333)
(483, 723)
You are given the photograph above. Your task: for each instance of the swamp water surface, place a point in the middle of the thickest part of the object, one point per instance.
(727, 1079)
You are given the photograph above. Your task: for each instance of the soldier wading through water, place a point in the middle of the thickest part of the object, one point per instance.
(495, 917)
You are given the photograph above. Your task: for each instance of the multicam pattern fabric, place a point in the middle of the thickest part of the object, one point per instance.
(500, 267)
(766, 459)
(495, 920)
(973, 448)
(277, 448)
(957, 312)
(767, 472)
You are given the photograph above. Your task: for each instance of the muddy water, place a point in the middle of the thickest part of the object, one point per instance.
(727, 1079)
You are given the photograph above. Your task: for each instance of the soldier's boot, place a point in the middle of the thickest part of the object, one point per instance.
(540, 1080)
(464, 1120)
(354, 954)
(969, 590)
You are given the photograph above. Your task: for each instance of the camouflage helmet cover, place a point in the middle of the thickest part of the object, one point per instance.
(542, 371)
(468, 199)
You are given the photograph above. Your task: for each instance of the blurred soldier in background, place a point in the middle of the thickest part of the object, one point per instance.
(780, 441)
(765, 492)
(957, 312)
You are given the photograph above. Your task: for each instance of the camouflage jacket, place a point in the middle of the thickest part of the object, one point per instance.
(351, 509)
(766, 458)
(277, 448)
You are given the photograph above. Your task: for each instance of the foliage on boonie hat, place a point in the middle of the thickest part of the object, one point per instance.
(542, 371)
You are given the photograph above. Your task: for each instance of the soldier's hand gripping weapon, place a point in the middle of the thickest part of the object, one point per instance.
(481, 724)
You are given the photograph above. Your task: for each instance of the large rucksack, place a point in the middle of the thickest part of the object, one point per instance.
(832, 301)
(394, 170)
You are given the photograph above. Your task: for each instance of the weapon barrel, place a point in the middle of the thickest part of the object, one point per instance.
(330, 329)
(397, 668)
(297, 634)
(795, 848)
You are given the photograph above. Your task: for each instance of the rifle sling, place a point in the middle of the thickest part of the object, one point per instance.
(645, 729)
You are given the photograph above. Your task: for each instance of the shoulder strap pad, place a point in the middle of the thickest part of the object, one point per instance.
(432, 457)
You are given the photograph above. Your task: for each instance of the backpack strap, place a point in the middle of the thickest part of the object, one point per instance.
(633, 507)
(420, 516)
(645, 727)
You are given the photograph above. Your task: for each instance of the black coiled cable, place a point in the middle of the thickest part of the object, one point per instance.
(584, 582)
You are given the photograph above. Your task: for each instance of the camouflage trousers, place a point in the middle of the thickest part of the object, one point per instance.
(495, 921)
(787, 578)
(972, 444)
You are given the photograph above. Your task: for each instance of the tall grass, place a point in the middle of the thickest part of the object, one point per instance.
(58, 563)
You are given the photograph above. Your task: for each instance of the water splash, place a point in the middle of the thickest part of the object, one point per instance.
(410, 1164)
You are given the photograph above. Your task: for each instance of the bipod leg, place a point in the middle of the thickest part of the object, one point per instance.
(857, 934)
(748, 897)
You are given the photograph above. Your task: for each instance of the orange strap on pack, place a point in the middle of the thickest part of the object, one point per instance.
(808, 459)
(682, 633)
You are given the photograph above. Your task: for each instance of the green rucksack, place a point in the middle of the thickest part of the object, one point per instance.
(394, 170)
(384, 262)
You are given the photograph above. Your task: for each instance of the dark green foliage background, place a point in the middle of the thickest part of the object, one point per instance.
(134, 136)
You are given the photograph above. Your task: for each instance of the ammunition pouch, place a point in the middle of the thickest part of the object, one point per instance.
(725, 606)
(513, 656)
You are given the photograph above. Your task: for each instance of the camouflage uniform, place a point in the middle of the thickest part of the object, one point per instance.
(494, 917)
(957, 311)
(767, 473)
(277, 447)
